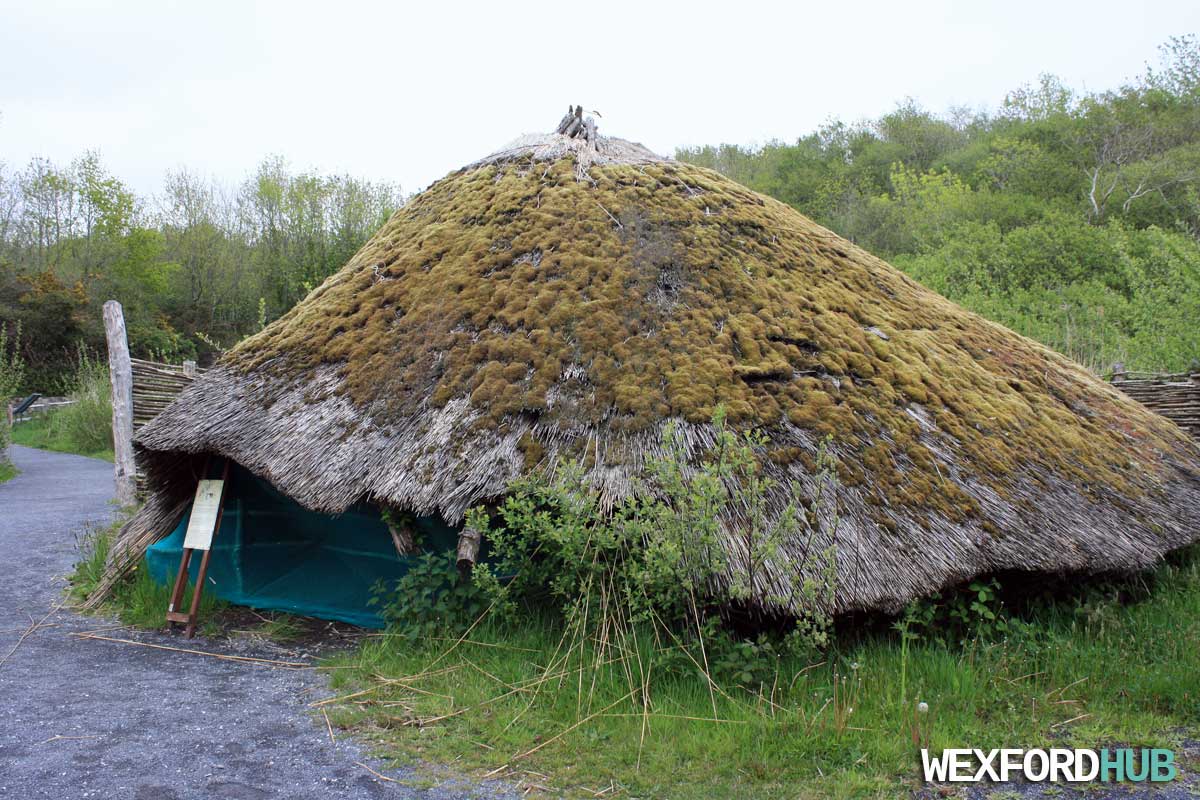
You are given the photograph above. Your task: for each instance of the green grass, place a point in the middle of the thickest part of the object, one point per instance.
(7, 471)
(1113, 663)
(1101, 670)
(42, 432)
(139, 601)
(85, 426)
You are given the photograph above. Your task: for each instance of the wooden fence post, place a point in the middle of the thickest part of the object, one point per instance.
(120, 372)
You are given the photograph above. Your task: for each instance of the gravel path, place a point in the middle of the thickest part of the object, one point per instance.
(86, 718)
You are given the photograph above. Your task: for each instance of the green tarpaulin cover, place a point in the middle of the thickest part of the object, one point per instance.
(271, 553)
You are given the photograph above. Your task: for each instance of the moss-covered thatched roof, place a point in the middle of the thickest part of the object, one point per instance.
(564, 299)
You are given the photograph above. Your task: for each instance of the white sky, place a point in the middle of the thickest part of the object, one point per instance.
(409, 91)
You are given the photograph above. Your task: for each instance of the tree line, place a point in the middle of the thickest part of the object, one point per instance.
(197, 266)
(1071, 217)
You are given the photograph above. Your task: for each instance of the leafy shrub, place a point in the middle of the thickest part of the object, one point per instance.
(86, 424)
(12, 372)
(973, 611)
(661, 559)
(750, 663)
(651, 577)
(431, 599)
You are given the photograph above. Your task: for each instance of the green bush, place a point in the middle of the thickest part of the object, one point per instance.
(651, 581)
(660, 561)
(431, 599)
(12, 372)
(86, 424)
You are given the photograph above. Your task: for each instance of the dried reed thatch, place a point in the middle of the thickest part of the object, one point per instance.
(569, 295)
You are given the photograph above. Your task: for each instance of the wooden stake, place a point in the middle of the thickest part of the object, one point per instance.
(468, 549)
(180, 581)
(181, 577)
(121, 376)
(190, 630)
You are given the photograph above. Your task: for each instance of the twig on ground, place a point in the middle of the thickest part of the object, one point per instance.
(376, 774)
(329, 700)
(1060, 691)
(103, 630)
(26, 627)
(58, 737)
(563, 733)
(1069, 721)
(33, 627)
(244, 659)
(329, 727)
(1023, 677)
(656, 715)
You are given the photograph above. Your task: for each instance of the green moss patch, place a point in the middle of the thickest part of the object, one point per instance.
(664, 290)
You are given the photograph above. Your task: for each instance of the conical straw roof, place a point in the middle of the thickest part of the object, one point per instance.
(568, 296)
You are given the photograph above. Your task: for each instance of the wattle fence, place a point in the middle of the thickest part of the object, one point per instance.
(155, 385)
(1175, 396)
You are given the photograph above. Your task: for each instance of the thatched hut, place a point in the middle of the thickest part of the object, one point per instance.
(567, 296)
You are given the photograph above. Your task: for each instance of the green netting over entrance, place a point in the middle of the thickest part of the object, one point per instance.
(271, 553)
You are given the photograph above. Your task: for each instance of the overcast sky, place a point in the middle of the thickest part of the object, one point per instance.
(409, 91)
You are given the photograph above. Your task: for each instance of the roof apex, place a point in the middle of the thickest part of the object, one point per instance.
(575, 137)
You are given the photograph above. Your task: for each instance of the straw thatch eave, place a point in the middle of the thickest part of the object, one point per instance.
(1038, 523)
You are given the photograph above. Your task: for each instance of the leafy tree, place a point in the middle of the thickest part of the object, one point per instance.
(1073, 218)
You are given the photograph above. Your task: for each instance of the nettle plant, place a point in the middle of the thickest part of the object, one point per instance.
(972, 611)
(665, 557)
(431, 598)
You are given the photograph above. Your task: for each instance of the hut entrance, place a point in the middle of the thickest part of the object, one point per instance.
(271, 553)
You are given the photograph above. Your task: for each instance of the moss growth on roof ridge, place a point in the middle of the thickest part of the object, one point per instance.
(663, 290)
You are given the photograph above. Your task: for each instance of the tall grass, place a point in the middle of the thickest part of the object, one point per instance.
(84, 426)
(1119, 663)
(87, 422)
(140, 600)
(12, 372)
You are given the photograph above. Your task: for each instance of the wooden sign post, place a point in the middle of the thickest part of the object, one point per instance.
(203, 525)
